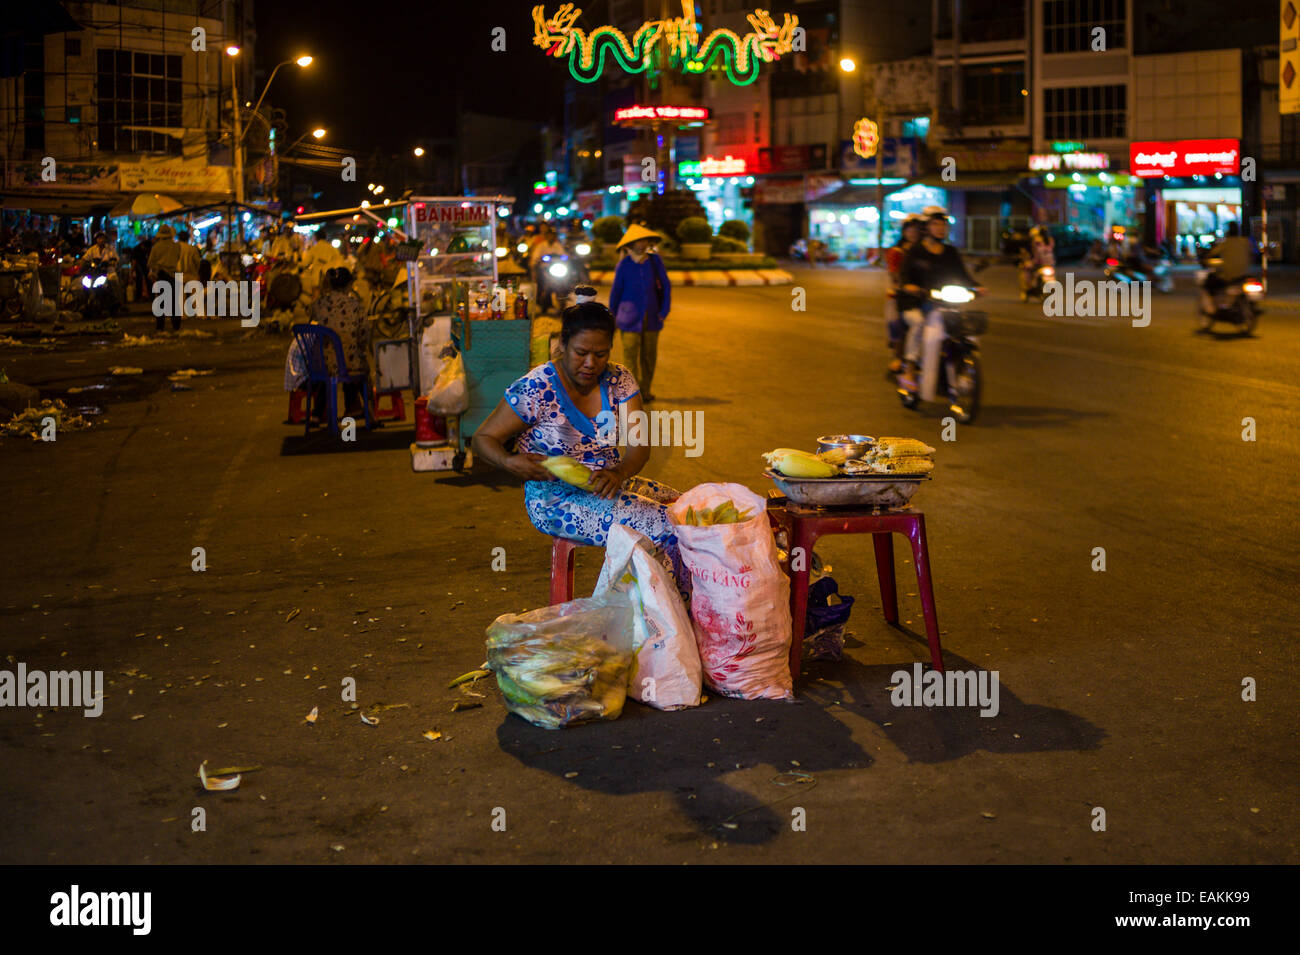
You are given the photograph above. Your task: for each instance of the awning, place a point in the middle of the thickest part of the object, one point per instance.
(47, 204)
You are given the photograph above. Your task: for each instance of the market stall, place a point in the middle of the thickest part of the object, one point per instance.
(462, 309)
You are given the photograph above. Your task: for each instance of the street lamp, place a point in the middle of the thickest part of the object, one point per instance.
(419, 151)
(848, 65)
(232, 51)
(303, 61)
(317, 133)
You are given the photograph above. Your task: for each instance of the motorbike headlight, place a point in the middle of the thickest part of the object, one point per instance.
(246, 259)
(85, 281)
(99, 281)
(954, 294)
(521, 248)
(1252, 288)
(582, 248)
(558, 269)
(502, 251)
(1048, 272)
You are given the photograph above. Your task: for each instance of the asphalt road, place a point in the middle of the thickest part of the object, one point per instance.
(1120, 690)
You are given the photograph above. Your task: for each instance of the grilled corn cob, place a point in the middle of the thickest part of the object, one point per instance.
(836, 456)
(900, 447)
(793, 463)
(903, 464)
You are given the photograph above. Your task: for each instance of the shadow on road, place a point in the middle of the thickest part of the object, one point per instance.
(321, 441)
(648, 751)
(1025, 416)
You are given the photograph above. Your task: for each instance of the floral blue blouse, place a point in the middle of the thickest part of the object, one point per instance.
(556, 426)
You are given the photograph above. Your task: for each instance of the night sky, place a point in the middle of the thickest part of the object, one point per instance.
(387, 73)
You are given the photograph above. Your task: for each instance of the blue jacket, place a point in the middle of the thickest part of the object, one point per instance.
(633, 301)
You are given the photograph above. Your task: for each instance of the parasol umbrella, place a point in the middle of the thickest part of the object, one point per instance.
(146, 204)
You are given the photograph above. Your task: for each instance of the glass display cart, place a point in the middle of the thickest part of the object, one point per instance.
(457, 300)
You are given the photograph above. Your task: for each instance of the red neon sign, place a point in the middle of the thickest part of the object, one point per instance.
(692, 114)
(1185, 157)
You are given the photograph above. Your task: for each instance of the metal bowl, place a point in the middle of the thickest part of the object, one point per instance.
(883, 491)
(854, 445)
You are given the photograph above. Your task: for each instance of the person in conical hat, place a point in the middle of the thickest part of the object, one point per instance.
(640, 300)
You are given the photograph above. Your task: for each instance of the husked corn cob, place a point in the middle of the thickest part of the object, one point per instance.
(568, 470)
(900, 447)
(793, 463)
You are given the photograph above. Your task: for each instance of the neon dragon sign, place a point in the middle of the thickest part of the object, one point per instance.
(740, 56)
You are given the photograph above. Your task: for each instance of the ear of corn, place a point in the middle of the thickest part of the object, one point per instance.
(793, 463)
(901, 447)
(724, 513)
(568, 470)
(908, 464)
(836, 456)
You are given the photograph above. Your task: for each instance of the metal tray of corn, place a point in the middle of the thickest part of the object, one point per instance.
(859, 490)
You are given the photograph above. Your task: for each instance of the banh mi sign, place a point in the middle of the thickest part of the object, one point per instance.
(1186, 157)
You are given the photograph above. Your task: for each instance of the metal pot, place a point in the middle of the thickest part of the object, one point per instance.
(854, 445)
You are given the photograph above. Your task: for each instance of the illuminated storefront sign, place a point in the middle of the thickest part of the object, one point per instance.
(1056, 162)
(543, 189)
(866, 138)
(695, 114)
(740, 56)
(1186, 157)
(709, 166)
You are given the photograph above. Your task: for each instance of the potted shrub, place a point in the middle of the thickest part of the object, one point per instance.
(696, 236)
(729, 249)
(735, 229)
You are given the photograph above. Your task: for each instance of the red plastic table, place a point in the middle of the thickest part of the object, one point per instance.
(804, 525)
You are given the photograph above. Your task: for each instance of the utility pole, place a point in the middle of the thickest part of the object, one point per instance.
(238, 143)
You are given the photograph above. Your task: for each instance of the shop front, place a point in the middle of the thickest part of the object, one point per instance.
(1193, 191)
(847, 220)
(1085, 189)
(722, 184)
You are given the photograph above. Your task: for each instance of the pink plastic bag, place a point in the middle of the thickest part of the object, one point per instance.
(740, 603)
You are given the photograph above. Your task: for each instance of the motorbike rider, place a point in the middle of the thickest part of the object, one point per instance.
(105, 252)
(1040, 252)
(1234, 253)
(548, 244)
(896, 301)
(929, 265)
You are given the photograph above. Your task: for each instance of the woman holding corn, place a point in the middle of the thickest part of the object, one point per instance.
(569, 406)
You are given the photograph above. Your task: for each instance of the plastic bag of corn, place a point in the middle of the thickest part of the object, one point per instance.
(564, 664)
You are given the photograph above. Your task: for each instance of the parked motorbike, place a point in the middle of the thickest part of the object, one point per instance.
(952, 351)
(1239, 302)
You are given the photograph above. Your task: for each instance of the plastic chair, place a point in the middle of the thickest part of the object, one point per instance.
(396, 410)
(312, 342)
(562, 554)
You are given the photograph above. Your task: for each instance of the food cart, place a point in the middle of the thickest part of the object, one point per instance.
(458, 300)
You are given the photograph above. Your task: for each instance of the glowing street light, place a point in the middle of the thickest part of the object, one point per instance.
(379, 190)
(304, 60)
(419, 151)
(848, 65)
(318, 133)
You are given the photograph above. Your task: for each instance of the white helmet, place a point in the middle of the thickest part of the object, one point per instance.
(935, 212)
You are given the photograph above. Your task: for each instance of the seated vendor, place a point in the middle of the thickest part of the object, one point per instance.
(556, 409)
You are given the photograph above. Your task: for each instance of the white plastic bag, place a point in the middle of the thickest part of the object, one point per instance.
(450, 393)
(665, 661)
(740, 603)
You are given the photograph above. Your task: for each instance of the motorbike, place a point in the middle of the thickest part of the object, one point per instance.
(1043, 274)
(557, 280)
(1238, 302)
(1157, 271)
(951, 354)
(96, 291)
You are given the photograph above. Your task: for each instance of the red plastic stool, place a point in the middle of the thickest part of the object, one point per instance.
(562, 554)
(803, 525)
(396, 410)
(298, 406)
